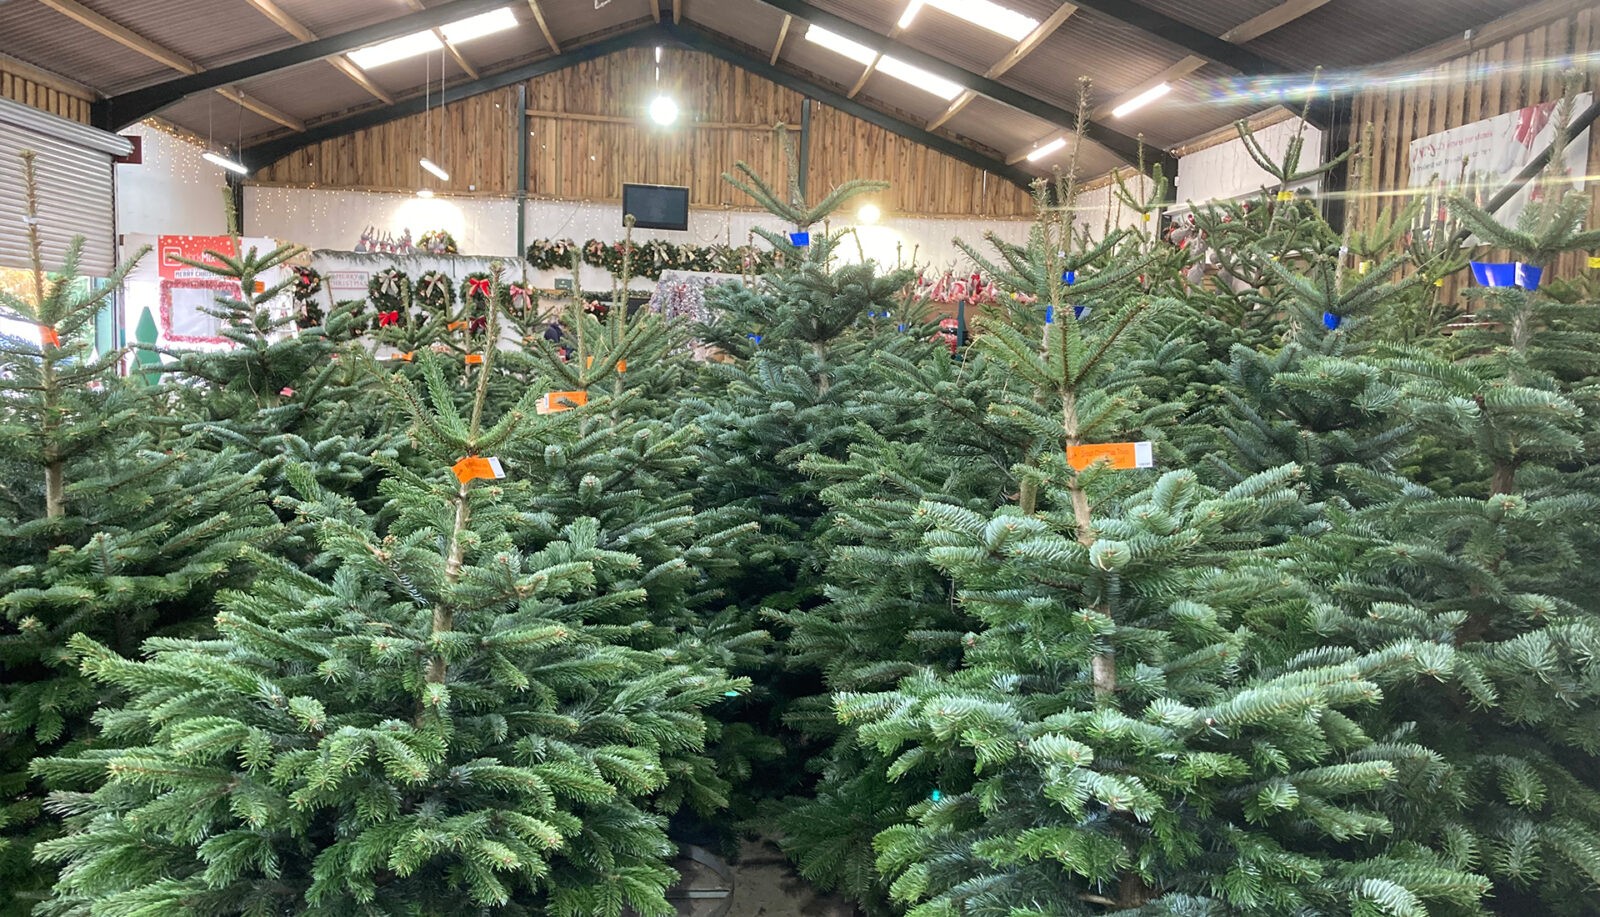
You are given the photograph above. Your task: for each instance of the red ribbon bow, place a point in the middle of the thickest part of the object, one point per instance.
(479, 324)
(478, 285)
(388, 318)
(518, 292)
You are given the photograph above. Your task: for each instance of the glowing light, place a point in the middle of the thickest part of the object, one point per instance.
(395, 49)
(909, 15)
(1047, 149)
(217, 159)
(489, 23)
(433, 167)
(869, 213)
(983, 13)
(839, 44)
(425, 193)
(892, 66)
(663, 110)
(1142, 99)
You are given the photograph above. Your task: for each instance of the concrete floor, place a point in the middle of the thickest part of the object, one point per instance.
(763, 885)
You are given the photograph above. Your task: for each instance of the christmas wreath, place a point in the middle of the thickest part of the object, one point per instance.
(551, 254)
(438, 242)
(307, 284)
(389, 289)
(477, 291)
(435, 294)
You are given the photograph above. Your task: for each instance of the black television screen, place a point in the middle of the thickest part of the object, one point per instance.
(656, 206)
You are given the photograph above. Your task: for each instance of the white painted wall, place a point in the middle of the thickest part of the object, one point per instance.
(173, 192)
(1101, 209)
(1227, 171)
(335, 219)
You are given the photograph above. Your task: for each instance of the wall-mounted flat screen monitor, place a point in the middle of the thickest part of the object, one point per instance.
(656, 206)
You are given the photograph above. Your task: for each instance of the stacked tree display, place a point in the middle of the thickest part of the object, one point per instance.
(489, 608)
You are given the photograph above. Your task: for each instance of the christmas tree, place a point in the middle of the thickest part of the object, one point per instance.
(108, 533)
(426, 717)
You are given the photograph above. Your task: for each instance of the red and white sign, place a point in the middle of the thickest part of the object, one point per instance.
(170, 248)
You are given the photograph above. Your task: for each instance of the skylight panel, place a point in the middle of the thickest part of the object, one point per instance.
(419, 43)
(395, 49)
(986, 14)
(919, 78)
(839, 44)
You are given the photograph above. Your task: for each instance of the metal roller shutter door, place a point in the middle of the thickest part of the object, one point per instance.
(76, 190)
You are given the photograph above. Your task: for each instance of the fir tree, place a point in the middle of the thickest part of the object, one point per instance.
(426, 718)
(107, 534)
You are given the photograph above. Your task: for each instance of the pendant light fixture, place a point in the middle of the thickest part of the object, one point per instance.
(426, 162)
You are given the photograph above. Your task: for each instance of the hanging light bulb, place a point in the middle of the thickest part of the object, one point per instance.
(869, 213)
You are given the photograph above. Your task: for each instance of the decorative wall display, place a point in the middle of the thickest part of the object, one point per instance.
(1480, 158)
(193, 248)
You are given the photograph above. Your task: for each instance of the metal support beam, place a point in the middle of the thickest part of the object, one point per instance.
(1013, 57)
(522, 169)
(341, 63)
(121, 110)
(1124, 147)
(270, 151)
(1195, 41)
(805, 146)
(696, 39)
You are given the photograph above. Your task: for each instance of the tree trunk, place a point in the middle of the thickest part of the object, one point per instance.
(823, 382)
(1504, 480)
(443, 617)
(1103, 666)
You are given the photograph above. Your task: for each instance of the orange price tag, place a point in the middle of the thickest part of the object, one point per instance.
(402, 356)
(1117, 455)
(622, 365)
(48, 335)
(474, 467)
(458, 326)
(556, 402)
(474, 358)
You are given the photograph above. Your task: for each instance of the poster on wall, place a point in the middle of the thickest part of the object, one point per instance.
(170, 248)
(1479, 159)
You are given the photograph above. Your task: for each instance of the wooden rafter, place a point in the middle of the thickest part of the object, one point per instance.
(783, 32)
(1013, 57)
(455, 53)
(165, 56)
(878, 58)
(544, 28)
(1247, 31)
(341, 63)
(677, 11)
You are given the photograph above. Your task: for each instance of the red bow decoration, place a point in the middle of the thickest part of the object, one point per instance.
(388, 318)
(479, 324)
(49, 335)
(478, 285)
(518, 293)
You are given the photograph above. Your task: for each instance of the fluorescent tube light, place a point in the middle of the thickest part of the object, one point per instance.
(478, 26)
(910, 14)
(919, 78)
(395, 49)
(1047, 149)
(1142, 99)
(837, 43)
(433, 167)
(991, 16)
(220, 160)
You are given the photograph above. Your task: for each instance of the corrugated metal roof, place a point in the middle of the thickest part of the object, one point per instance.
(220, 120)
(1349, 33)
(40, 36)
(1117, 57)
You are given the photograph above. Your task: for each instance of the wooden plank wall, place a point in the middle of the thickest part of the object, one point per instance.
(22, 85)
(1517, 62)
(590, 133)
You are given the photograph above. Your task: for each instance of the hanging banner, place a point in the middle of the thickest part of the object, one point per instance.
(170, 248)
(1477, 160)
